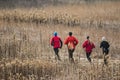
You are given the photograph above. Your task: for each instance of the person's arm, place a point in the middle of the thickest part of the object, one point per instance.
(93, 45)
(76, 41)
(101, 45)
(108, 44)
(84, 44)
(66, 41)
(51, 42)
(61, 43)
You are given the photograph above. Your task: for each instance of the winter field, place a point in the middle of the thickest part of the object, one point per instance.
(26, 53)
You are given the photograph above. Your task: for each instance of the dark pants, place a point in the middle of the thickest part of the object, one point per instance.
(88, 56)
(105, 53)
(56, 50)
(71, 54)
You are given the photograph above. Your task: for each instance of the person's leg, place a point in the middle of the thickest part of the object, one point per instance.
(56, 50)
(88, 56)
(106, 56)
(71, 55)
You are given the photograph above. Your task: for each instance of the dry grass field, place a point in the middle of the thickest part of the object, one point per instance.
(26, 54)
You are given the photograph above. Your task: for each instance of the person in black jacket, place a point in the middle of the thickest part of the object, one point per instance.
(105, 48)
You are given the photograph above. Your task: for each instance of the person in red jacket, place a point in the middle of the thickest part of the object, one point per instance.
(71, 43)
(56, 42)
(88, 46)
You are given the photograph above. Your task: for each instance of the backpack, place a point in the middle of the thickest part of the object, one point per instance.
(70, 46)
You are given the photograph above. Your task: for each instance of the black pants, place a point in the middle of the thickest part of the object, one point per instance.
(56, 50)
(88, 56)
(105, 53)
(71, 54)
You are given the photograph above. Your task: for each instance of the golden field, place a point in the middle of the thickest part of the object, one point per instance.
(25, 52)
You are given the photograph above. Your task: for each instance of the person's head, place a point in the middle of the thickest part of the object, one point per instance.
(55, 33)
(88, 37)
(70, 33)
(103, 38)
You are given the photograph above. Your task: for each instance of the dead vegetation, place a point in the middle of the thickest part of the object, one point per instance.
(25, 52)
(105, 14)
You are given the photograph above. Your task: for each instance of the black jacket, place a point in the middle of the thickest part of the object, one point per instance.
(104, 45)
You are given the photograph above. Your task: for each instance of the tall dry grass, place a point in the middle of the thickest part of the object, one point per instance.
(27, 55)
(97, 14)
(25, 52)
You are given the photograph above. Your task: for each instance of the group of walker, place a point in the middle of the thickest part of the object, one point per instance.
(71, 43)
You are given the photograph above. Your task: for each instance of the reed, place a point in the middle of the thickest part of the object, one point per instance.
(26, 54)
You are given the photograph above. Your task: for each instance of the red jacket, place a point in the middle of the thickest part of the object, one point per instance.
(88, 46)
(72, 40)
(56, 42)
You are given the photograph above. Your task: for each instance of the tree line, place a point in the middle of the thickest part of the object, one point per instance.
(40, 3)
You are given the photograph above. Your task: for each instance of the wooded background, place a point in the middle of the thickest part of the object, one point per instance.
(43, 3)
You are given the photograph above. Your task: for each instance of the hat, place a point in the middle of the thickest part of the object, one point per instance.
(103, 38)
(55, 33)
